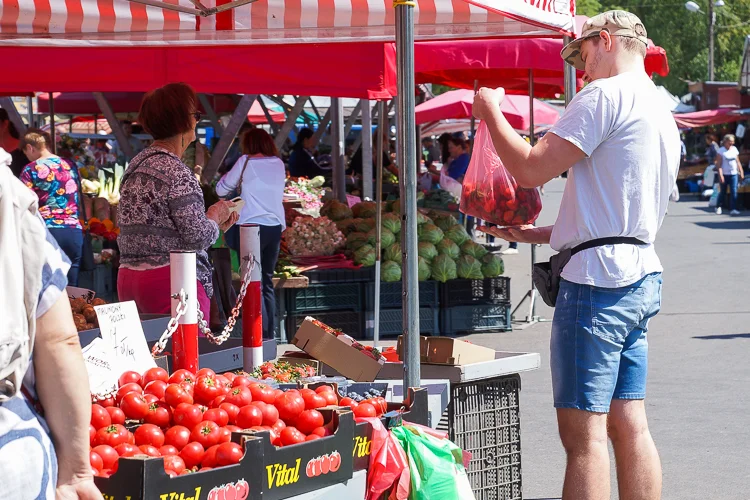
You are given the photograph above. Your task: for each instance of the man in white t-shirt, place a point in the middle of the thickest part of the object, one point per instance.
(730, 173)
(622, 149)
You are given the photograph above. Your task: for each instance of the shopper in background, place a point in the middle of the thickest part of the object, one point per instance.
(712, 149)
(459, 160)
(161, 206)
(355, 165)
(9, 140)
(445, 153)
(622, 148)
(55, 182)
(259, 177)
(302, 162)
(42, 366)
(730, 173)
(431, 152)
(135, 144)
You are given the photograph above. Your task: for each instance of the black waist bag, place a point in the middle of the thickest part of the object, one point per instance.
(546, 275)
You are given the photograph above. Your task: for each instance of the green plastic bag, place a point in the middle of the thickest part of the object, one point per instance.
(435, 464)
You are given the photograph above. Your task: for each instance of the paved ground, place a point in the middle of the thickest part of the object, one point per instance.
(699, 378)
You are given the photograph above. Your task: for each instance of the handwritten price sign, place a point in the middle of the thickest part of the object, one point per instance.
(120, 325)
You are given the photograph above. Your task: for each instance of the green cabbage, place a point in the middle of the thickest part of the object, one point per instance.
(423, 269)
(365, 256)
(469, 268)
(492, 265)
(474, 249)
(427, 251)
(430, 233)
(386, 238)
(364, 209)
(443, 268)
(457, 234)
(392, 223)
(390, 272)
(335, 210)
(447, 247)
(445, 222)
(393, 253)
(423, 219)
(355, 240)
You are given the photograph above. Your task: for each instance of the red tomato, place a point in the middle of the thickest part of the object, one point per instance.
(159, 414)
(305, 393)
(365, 410)
(156, 387)
(224, 383)
(329, 396)
(100, 417)
(233, 428)
(129, 377)
(278, 426)
(324, 388)
(228, 454)
(290, 405)
(312, 437)
(209, 458)
(92, 435)
(116, 415)
(149, 434)
(206, 433)
(276, 393)
(189, 387)
(177, 436)
(225, 435)
(108, 455)
(113, 435)
(95, 460)
(240, 381)
(153, 374)
(167, 450)
(175, 395)
(221, 417)
(380, 405)
(150, 398)
(270, 414)
(181, 376)
(322, 432)
(125, 389)
(239, 396)
(290, 436)
(232, 411)
(187, 415)
(229, 376)
(106, 403)
(205, 372)
(249, 416)
(127, 450)
(174, 465)
(261, 392)
(134, 406)
(348, 402)
(216, 402)
(150, 451)
(309, 420)
(206, 390)
(192, 454)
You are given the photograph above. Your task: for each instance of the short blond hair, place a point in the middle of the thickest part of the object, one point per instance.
(729, 137)
(35, 137)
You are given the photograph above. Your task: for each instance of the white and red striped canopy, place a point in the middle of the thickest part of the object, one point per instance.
(120, 22)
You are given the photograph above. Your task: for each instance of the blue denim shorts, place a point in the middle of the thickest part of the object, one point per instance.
(598, 349)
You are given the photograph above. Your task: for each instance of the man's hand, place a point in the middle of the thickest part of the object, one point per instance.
(487, 100)
(520, 234)
(80, 489)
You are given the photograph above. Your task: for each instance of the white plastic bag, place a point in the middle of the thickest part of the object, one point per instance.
(714, 200)
(448, 183)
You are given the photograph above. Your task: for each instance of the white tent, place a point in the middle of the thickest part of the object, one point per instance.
(674, 103)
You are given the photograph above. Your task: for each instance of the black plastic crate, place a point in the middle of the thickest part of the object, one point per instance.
(463, 292)
(325, 297)
(483, 418)
(474, 319)
(360, 275)
(392, 293)
(101, 280)
(391, 322)
(349, 322)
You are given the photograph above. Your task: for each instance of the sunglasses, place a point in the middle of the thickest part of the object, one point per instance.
(197, 115)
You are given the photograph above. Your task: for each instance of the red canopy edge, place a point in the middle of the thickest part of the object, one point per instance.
(364, 70)
(708, 117)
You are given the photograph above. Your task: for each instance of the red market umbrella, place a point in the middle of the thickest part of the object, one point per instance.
(458, 103)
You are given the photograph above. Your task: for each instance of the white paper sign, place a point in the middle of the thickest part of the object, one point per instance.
(121, 326)
(101, 366)
(80, 293)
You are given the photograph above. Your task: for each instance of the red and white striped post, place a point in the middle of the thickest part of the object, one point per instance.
(252, 307)
(183, 276)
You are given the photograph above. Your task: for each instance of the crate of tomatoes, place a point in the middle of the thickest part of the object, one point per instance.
(216, 436)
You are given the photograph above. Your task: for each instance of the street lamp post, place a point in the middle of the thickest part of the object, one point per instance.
(694, 7)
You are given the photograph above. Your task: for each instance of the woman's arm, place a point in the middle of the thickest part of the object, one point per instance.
(231, 179)
(520, 234)
(186, 207)
(717, 162)
(62, 386)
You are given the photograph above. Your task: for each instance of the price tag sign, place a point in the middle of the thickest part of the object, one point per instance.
(352, 200)
(80, 293)
(102, 366)
(120, 325)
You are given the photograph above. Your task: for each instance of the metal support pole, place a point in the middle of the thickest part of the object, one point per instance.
(406, 152)
(352, 118)
(473, 121)
(209, 109)
(291, 120)
(367, 150)
(52, 131)
(337, 154)
(114, 123)
(322, 127)
(569, 76)
(30, 110)
(239, 117)
(378, 217)
(182, 274)
(13, 115)
(274, 127)
(252, 303)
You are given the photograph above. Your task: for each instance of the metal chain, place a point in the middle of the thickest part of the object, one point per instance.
(173, 323)
(221, 338)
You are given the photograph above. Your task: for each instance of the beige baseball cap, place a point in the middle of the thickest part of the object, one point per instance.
(615, 22)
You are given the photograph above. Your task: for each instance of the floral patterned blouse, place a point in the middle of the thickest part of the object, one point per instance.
(54, 180)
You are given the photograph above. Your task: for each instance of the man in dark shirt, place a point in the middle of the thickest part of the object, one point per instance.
(9, 138)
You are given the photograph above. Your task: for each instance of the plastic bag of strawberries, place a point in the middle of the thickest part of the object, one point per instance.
(489, 191)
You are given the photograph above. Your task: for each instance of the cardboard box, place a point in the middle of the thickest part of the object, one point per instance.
(449, 351)
(297, 361)
(339, 351)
